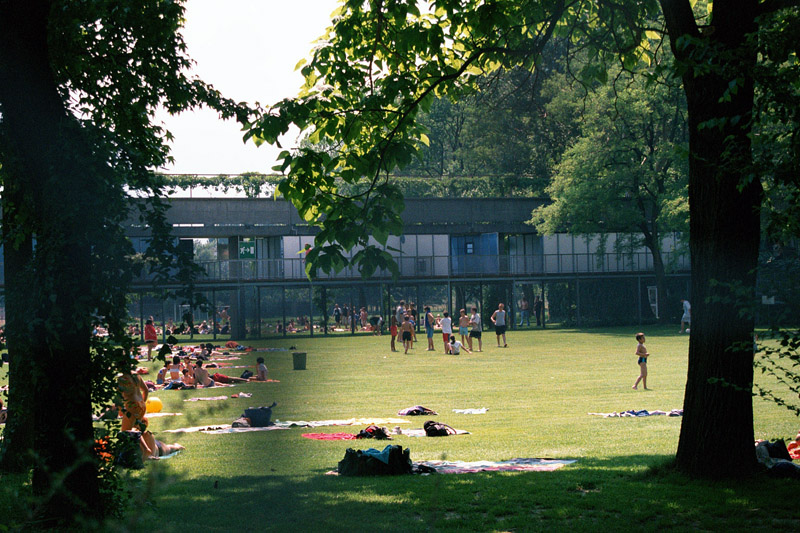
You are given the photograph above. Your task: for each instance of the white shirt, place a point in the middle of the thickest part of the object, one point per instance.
(447, 325)
(476, 322)
(456, 347)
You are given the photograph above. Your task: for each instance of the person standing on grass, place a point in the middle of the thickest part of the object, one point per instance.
(429, 327)
(337, 315)
(642, 355)
(686, 318)
(412, 310)
(525, 311)
(475, 332)
(400, 312)
(408, 333)
(447, 330)
(393, 331)
(463, 326)
(150, 337)
(538, 306)
(499, 321)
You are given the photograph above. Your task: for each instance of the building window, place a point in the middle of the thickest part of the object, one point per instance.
(469, 248)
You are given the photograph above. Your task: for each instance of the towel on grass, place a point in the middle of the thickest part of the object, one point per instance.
(195, 429)
(158, 415)
(168, 456)
(347, 422)
(512, 465)
(329, 436)
(241, 430)
(639, 413)
(481, 411)
(206, 398)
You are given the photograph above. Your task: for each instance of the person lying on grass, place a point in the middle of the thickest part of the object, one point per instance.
(151, 447)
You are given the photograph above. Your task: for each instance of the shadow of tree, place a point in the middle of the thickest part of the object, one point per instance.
(590, 495)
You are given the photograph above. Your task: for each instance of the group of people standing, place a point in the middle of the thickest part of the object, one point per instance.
(525, 311)
(468, 326)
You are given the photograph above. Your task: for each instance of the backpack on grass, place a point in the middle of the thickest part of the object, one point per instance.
(392, 461)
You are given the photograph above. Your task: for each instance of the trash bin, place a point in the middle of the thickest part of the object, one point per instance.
(299, 359)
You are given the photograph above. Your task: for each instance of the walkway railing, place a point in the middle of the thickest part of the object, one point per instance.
(452, 266)
(445, 266)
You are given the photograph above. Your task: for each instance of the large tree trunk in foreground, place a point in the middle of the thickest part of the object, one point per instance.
(53, 166)
(17, 254)
(724, 198)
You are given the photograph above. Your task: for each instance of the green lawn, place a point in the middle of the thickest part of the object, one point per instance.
(538, 391)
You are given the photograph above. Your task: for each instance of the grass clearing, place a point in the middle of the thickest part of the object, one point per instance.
(538, 391)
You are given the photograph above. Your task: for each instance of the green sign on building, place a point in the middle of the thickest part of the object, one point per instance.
(247, 249)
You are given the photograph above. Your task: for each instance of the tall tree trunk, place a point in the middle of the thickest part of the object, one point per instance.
(15, 454)
(724, 198)
(55, 162)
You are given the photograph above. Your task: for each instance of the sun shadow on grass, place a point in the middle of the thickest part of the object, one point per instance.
(592, 494)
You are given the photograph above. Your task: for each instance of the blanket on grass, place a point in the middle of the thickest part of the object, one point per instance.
(330, 436)
(219, 429)
(347, 422)
(512, 465)
(206, 399)
(481, 411)
(639, 413)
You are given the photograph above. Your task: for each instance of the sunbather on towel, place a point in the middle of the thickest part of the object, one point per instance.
(201, 375)
(222, 378)
(153, 448)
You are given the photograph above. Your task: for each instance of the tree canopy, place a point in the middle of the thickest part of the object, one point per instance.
(80, 82)
(384, 61)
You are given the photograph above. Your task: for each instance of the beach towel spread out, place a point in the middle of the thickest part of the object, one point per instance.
(512, 465)
(241, 430)
(639, 413)
(272, 350)
(421, 432)
(417, 410)
(168, 456)
(157, 415)
(219, 429)
(347, 422)
(206, 399)
(329, 436)
(481, 411)
(195, 429)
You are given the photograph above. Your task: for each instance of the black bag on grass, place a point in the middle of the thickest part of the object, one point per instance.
(361, 463)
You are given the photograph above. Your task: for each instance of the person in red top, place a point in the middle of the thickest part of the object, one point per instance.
(150, 337)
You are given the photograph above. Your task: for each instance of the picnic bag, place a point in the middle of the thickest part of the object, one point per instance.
(364, 463)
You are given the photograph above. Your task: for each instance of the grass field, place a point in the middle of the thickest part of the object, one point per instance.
(538, 392)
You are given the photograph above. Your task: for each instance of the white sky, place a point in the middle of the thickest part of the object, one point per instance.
(247, 49)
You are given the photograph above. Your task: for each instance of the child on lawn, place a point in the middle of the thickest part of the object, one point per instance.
(393, 331)
(456, 346)
(407, 332)
(642, 355)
